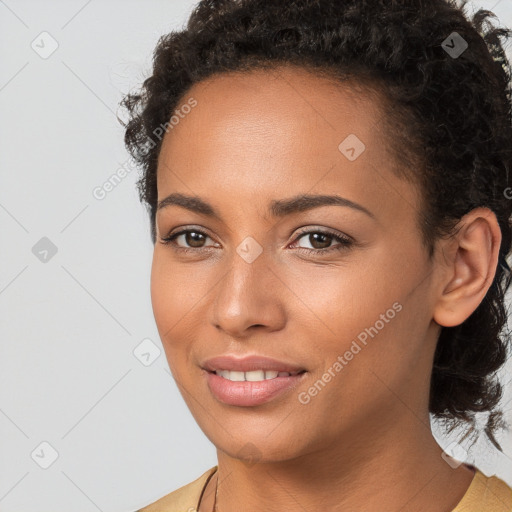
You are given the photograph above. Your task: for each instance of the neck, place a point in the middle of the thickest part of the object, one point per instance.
(393, 469)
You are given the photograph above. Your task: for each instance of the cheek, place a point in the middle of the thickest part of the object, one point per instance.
(174, 288)
(162, 294)
(365, 311)
(179, 297)
(171, 293)
(346, 300)
(382, 318)
(170, 308)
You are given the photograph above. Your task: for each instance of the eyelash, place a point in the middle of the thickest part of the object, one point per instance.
(345, 242)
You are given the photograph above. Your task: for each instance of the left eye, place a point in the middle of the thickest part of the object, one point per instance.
(324, 239)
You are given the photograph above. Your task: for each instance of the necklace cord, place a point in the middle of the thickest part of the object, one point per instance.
(216, 492)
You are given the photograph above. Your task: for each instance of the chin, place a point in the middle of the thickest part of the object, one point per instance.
(261, 446)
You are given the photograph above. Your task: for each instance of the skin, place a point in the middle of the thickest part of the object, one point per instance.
(364, 441)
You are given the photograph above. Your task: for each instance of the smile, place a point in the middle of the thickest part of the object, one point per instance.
(253, 376)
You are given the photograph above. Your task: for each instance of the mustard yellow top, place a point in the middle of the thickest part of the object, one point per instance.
(485, 494)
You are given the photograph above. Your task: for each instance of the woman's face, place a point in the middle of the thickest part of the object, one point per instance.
(356, 317)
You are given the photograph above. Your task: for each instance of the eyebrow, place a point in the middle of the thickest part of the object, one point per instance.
(277, 208)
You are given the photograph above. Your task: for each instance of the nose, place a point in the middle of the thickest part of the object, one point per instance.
(250, 295)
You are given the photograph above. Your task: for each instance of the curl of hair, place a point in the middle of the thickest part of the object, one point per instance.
(450, 120)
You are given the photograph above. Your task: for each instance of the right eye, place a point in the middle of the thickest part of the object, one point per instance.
(192, 237)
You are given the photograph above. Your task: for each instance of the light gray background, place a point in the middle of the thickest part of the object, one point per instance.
(69, 326)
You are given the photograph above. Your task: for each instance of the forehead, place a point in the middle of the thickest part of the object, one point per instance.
(278, 133)
(289, 102)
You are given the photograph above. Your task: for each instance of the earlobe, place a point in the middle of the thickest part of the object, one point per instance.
(471, 268)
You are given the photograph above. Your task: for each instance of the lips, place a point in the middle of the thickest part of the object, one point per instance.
(250, 364)
(251, 380)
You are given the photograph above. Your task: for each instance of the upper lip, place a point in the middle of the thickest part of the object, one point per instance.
(249, 363)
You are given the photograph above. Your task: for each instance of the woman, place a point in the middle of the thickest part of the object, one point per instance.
(329, 193)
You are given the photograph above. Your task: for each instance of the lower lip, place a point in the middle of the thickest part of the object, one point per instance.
(247, 393)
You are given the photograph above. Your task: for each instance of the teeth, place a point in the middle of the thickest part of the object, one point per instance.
(254, 376)
(236, 376)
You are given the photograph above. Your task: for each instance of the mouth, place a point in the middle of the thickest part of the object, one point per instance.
(250, 380)
(255, 375)
(250, 367)
(236, 388)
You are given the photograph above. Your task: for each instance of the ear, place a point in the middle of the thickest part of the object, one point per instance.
(471, 258)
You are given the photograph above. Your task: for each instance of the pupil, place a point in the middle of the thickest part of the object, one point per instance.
(190, 236)
(326, 244)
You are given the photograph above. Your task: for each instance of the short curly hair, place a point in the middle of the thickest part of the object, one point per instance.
(450, 116)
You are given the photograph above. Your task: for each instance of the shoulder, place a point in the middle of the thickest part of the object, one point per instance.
(184, 499)
(488, 493)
